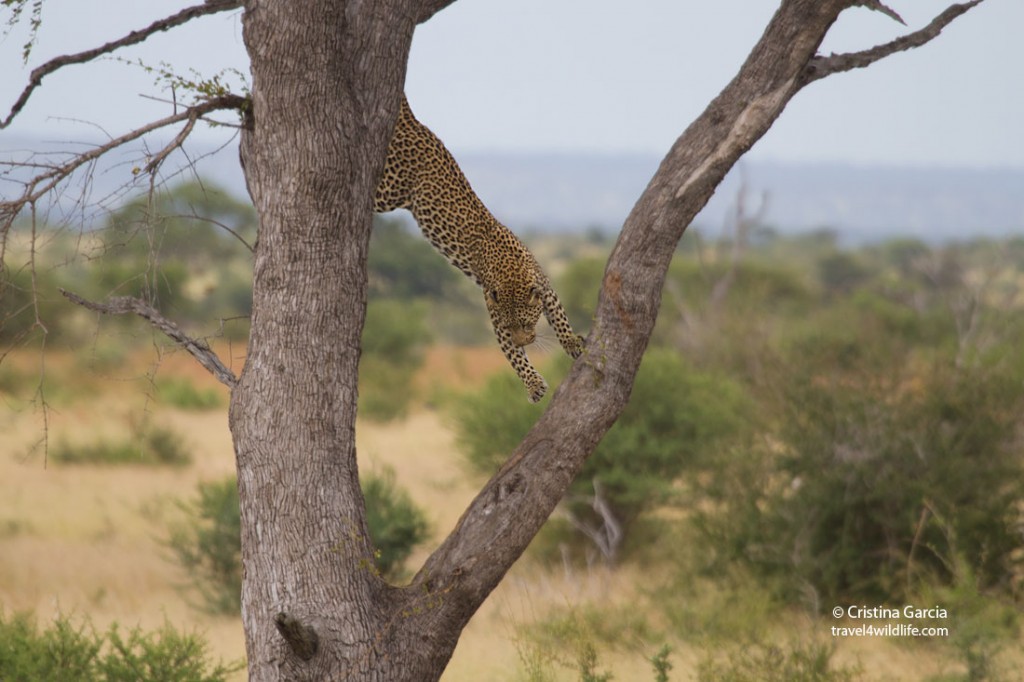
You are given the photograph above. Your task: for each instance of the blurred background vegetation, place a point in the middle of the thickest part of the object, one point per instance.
(814, 424)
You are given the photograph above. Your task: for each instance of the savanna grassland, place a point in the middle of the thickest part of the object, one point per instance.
(90, 540)
(814, 426)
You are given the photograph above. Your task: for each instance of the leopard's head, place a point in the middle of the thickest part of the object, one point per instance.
(516, 308)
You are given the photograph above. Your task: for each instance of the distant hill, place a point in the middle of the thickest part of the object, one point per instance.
(862, 203)
(573, 192)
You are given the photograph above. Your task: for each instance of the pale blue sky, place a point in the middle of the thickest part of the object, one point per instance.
(595, 76)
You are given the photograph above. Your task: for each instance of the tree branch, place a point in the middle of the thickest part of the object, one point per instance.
(38, 186)
(179, 139)
(138, 36)
(120, 305)
(429, 8)
(819, 67)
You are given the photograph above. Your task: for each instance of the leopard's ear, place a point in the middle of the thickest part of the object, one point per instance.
(534, 298)
(493, 295)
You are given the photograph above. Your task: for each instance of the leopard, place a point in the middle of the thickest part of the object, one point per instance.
(421, 176)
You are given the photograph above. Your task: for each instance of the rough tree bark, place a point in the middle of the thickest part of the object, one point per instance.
(327, 80)
(324, 76)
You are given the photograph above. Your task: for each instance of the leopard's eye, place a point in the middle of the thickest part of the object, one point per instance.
(493, 294)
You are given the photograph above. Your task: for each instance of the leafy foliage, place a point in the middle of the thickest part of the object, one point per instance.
(181, 250)
(403, 265)
(194, 84)
(152, 445)
(207, 545)
(679, 419)
(810, 662)
(172, 249)
(662, 665)
(71, 652)
(981, 624)
(182, 393)
(17, 8)
(394, 337)
(396, 524)
(861, 491)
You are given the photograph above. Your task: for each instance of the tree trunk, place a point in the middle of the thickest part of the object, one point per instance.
(327, 80)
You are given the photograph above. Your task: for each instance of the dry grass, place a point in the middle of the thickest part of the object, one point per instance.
(88, 540)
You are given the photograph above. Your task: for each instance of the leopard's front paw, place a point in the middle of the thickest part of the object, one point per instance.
(574, 347)
(537, 390)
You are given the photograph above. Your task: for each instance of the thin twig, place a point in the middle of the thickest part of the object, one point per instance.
(178, 140)
(41, 389)
(187, 14)
(121, 305)
(41, 184)
(819, 67)
(212, 221)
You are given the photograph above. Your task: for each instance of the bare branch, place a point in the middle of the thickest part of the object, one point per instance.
(742, 224)
(178, 140)
(120, 305)
(608, 536)
(819, 67)
(879, 6)
(187, 14)
(217, 223)
(40, 185)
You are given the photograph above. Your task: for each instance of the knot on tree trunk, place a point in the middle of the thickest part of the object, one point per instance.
(301, 638)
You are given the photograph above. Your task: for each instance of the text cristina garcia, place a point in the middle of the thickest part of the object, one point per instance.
(887, 613)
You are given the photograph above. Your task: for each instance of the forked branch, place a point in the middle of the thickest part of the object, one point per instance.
(200, 350)
(819, 67)
(138, 36)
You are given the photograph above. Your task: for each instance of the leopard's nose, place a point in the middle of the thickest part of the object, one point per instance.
(523, 337)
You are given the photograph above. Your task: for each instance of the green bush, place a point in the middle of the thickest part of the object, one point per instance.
(21, 300)
(394, 337)
(660, 662)
(678, 420)
(573, 639)
(980, 625)
(886, 464)
(181, 393)
(403, 265)
(175, 249)
(396, 524)
(569, 640)
(153, 446)
(810, 662)
(208, 545)
(70, 652)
